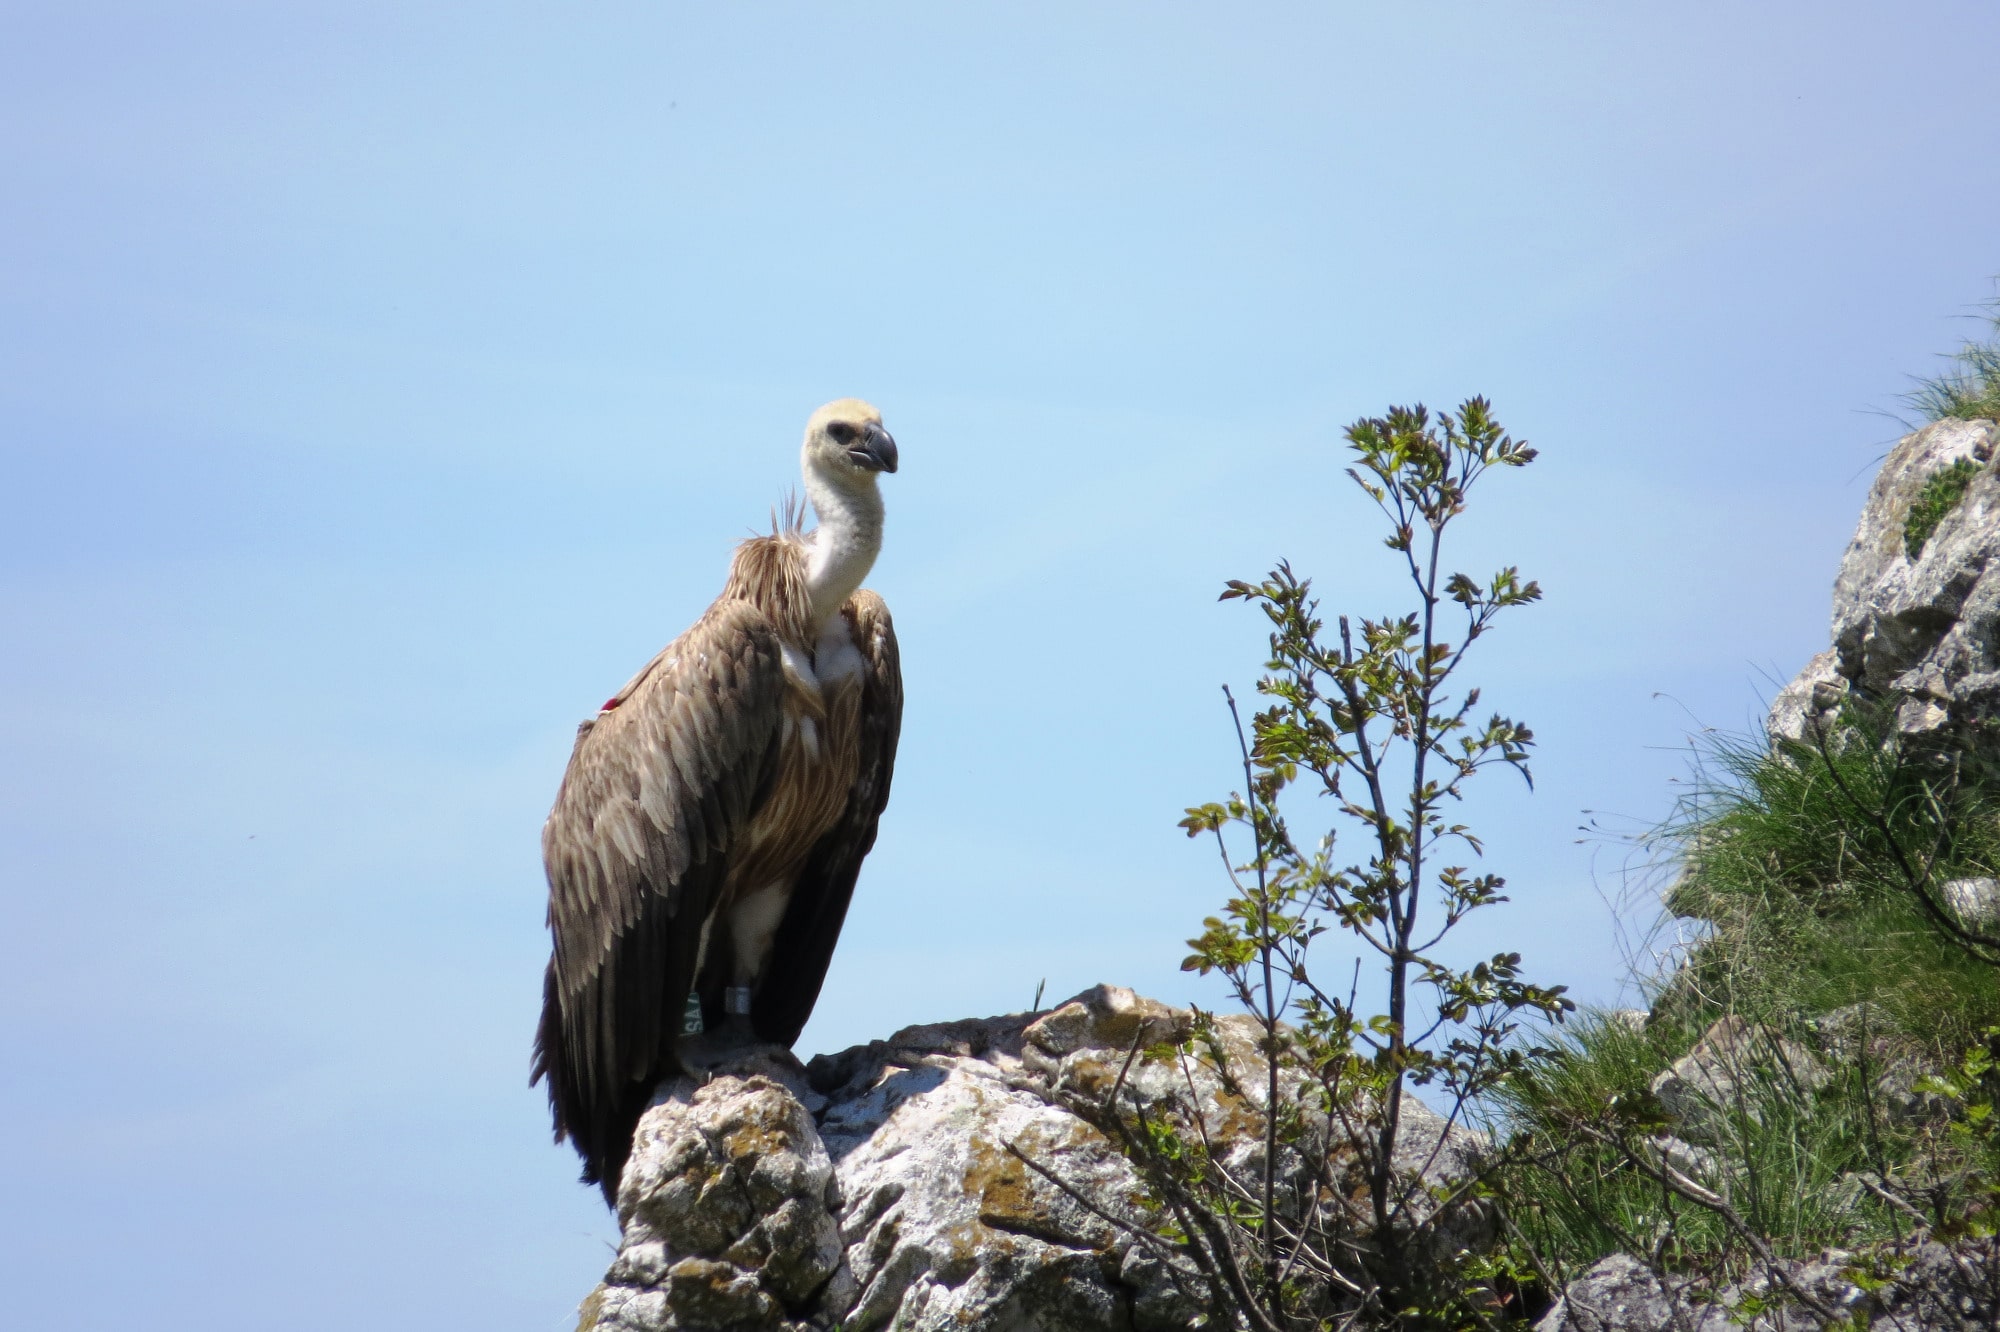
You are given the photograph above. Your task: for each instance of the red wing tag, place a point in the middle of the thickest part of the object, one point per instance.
(609, 704)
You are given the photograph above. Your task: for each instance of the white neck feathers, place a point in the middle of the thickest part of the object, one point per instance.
(843, 547)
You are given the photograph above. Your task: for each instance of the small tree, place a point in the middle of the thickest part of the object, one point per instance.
(1332, 1224)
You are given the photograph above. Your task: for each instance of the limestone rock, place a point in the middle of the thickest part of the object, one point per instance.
(1619, 1294)
(884, 1187)
(1733, 1069)
(1861, 1037)
(1922, 633)
(727, 1208)
(1977, 901)
(1812, 696)
(1923, 1287)
(947, 1227)
(1698, 1164)
(1631, 1019)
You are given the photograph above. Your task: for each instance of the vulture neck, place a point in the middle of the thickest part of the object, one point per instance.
(844, 545)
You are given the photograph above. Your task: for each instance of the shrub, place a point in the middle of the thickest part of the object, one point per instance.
(1332, 1223)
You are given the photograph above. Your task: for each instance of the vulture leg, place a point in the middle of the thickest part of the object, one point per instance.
(753, 923)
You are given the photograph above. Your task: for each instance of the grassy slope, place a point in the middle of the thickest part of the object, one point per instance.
(1807, 916)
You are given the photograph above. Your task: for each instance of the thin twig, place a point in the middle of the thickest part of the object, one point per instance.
(1111, 1097)
(1140, 1233)
(1974, 941)
(1270, 1000)
(1900, 1204)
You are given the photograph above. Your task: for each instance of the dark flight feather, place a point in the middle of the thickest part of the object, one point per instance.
(628, 888)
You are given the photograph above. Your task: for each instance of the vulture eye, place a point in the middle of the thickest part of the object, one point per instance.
(843, 433)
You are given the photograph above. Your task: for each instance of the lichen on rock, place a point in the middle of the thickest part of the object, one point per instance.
(727, 1208)
(889, 1186)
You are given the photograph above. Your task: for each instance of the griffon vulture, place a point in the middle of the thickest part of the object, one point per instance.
(716, 810)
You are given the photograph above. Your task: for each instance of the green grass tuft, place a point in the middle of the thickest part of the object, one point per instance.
(1781, 1149)
(1805, 907)
(1806, 916)
(1942, 491)
(1970, 390)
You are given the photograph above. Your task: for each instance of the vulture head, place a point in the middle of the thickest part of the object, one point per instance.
(846, 444)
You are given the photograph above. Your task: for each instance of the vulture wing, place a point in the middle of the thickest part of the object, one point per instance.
(636, 849)
(811, 925)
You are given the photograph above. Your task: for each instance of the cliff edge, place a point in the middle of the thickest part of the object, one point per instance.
(885, 1186)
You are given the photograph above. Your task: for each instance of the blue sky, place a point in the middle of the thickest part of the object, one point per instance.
(380, 384)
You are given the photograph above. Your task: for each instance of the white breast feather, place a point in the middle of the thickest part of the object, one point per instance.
(799, 667)
(836, 657)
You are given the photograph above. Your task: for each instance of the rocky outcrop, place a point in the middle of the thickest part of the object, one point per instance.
(1717, 1098)
(1729, 1072)
(1928, 1288)
(885, 1186)
(727, 1205)
(1918, 632)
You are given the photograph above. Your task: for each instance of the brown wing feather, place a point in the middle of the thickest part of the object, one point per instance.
(636, 852)
(811, 926)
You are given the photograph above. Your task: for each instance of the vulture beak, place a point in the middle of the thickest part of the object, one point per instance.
(875, 450)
